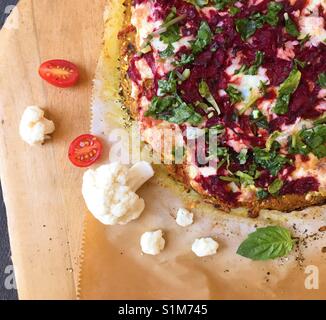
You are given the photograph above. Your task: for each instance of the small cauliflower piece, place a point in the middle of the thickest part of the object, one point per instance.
(205, 247)
(152, 242)
(110, 191)
(34, 128)
(184, 217)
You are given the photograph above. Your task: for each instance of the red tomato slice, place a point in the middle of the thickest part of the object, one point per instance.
(85, 150)
(60, 73)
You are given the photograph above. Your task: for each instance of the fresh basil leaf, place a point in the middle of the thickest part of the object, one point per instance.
(287, 88)
(273, 11)
(172, 33)
(297, 145)
(306, 38)
(262, 194)
(234, 11)
(204, 38)
(322, 80)
(168, 86)
(218, 30)
(221, 4)
(290, 26)
(206, 94)
(309, 141)
(234, 94)
(253, 70)
(247, 27)
(275, 186)
(259, 119)
(243, 69)
(184, 113)
(216, 130)
(245, 179)
(267, 243)
(299, 63)
(243, 156)
(199, 3)
(168, 52)
(321, 120)
(230, 179)
(270, 160)
(271, 139)
(217, 152)
(173, 109)
(185, 59)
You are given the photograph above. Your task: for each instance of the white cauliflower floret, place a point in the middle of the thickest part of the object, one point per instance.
(205, 247)
(110, 191)
(34, 127)
(184, 217)
(152, 242)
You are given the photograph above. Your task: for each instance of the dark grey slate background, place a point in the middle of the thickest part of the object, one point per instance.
(5, 261)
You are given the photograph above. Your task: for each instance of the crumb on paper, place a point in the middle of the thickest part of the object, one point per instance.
(184, 218)
(205, 247)
(152, 243)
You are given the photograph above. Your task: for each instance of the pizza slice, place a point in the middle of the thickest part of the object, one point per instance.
(242, 87)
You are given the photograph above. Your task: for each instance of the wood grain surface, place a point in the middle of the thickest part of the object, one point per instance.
(41, 188)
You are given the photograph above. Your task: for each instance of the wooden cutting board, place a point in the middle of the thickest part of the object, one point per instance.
(42, 189)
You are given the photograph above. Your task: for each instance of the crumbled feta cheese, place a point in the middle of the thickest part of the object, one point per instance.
(139, 19)
(184, 217)
(152, 242)
(34, 127)
(144, 69)
(248, 84)
(287, 53)
(205, 247)
(313, 26)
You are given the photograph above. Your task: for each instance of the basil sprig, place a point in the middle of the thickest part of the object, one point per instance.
(287, 88)
(267, 243)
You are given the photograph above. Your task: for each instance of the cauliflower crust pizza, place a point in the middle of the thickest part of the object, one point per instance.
(253, 72)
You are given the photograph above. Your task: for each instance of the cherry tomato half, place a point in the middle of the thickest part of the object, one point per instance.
(60, 73)
(85, 150)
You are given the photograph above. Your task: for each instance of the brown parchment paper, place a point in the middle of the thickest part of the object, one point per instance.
(113, 266)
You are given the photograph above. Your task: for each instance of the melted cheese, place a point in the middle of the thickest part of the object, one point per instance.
(144, 26)
(290, 130)
(312, 168)
(246, 84)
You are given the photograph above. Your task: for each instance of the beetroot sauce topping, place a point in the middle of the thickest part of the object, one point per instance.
(251, 71)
